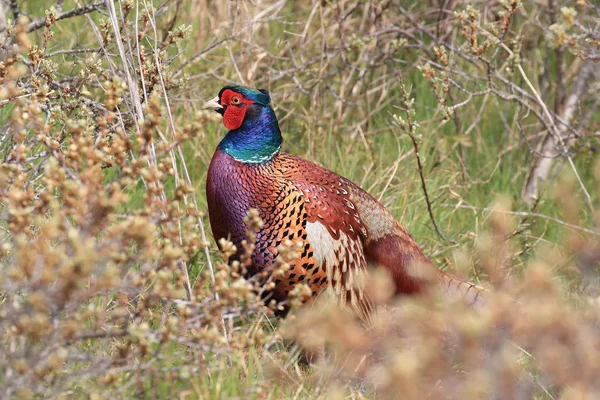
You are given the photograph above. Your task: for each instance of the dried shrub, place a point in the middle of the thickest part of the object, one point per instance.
(100, 228)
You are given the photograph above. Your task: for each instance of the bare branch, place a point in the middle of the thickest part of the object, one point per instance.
(14, 7)
(554, 144)
(39, 23)
(527, 214)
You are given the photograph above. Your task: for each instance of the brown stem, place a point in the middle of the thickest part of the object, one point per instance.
(40, 23)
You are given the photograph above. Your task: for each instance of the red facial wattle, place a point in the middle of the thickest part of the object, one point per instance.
(234, 114)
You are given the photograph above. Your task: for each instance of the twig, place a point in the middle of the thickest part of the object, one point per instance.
(14, 7)
(410, 127)
(424, 187)
(556, 132)
(132, 86)
(75, 51)
(526, 214)
(40, 23)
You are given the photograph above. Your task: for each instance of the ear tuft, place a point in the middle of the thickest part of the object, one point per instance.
(264, 96)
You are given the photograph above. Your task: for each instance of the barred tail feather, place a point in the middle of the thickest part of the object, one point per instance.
(474, 295)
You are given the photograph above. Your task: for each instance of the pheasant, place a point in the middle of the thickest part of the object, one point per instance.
(342, 231)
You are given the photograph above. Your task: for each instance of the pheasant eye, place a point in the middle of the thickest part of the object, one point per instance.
(235, 100)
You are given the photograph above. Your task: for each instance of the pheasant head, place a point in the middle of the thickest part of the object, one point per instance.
(254, 136)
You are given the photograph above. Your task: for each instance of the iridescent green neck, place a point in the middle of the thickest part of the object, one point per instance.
(258, 140)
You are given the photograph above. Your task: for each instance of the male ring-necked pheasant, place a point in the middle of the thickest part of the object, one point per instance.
(343, 230)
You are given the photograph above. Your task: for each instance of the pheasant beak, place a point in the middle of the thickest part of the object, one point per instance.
(213, 104)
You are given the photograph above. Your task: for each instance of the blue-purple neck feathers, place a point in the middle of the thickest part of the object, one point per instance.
(258, 140)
